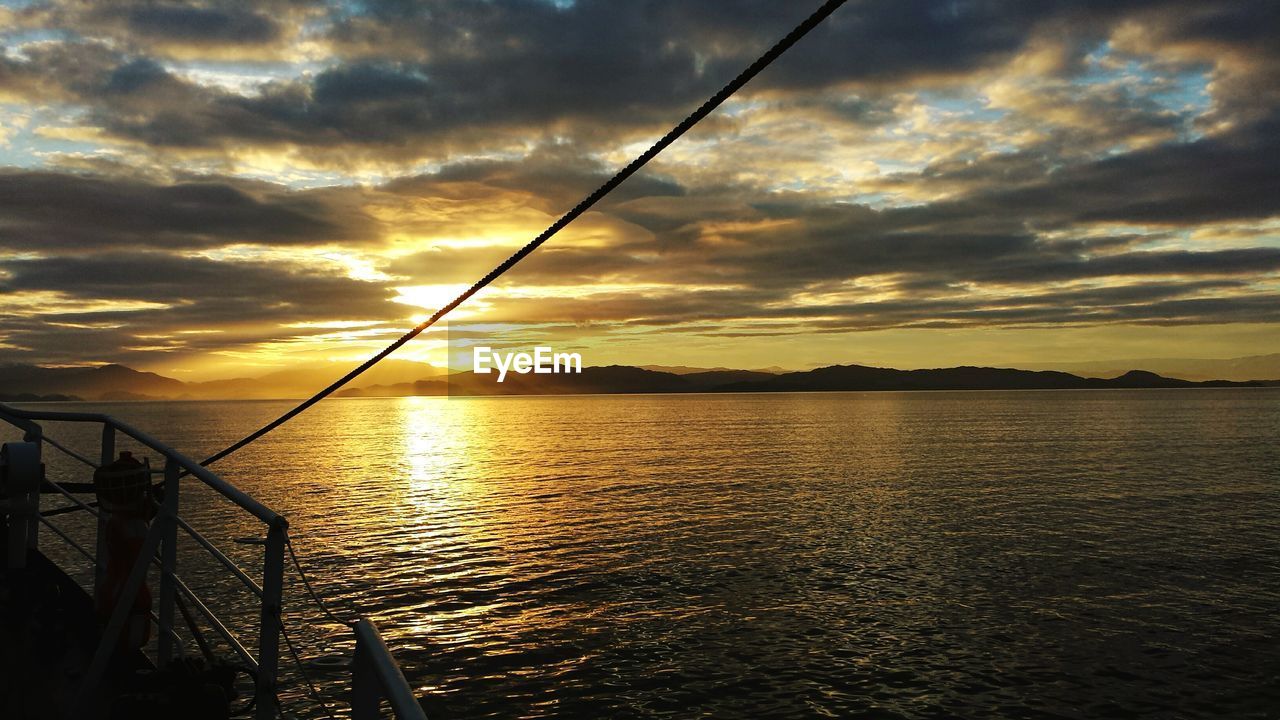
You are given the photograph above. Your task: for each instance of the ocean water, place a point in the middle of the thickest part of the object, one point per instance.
(1062, 554)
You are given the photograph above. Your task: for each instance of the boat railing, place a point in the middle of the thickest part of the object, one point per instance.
(375, 672)
(375, 676)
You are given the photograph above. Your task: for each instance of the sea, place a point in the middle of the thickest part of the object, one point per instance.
(1015, 554)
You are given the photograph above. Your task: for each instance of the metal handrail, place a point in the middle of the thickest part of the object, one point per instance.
(375, 674)
(222, 558)
(75, 500)
(68, 451)
(218, 626)
(67, 539)
(93, 559)
(226, 489)
(160, 548)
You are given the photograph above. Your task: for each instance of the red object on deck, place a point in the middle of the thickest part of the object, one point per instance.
(122, 488)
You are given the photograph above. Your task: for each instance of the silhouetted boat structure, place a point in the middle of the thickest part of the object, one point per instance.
(59, 662)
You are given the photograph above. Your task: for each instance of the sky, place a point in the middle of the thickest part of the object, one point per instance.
(218, 189)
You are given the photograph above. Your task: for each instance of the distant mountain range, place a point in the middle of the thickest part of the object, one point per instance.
(858, 377)
(405, 378)
(612, 379)
(688, 370)
(117, 382)
(1252, 367)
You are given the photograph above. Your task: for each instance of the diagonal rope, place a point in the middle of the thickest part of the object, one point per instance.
(306, 583)
(694, 118)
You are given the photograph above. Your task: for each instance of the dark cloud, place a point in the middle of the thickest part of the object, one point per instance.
(1169, 312)
(719, 311)
(238, 303)
(555, 179)
(135, 76)
(1250, 262)
(527, 63)
(201, 290)
(1231, 176)
(477, 70)
(860, 42)
(427, 78)
(49, 211)
(969, 241)
(59, 71)
(222, 25)
(168, 28)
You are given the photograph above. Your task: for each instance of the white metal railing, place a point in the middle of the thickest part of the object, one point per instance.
(375, 672)
(375, 675)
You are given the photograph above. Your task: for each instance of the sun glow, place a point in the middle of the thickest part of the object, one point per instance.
(434, 297)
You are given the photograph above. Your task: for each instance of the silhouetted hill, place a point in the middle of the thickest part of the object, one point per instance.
(1253, 367)
(1147, 379)
(612, 379)
(85, 382)
(413, 389)
(116, 382)
(30, 397)
(860, 377)
(689, 370)
(303, 381)
(713, 379)
(620, 379)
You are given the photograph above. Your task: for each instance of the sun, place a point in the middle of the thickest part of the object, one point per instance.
(433, 297)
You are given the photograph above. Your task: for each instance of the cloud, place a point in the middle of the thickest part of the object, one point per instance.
(52, 211)
(1229, 176)
(206, 28)
(102, 305)
(857, 268)
(225, 25)
(431, 79)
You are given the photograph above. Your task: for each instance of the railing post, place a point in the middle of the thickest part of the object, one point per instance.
(105, 458)
(269, 637)
(365, 698)
(168, 559)
(375, 675)
(33, 500)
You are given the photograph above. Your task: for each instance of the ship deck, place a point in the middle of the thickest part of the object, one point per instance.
(47, 637)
